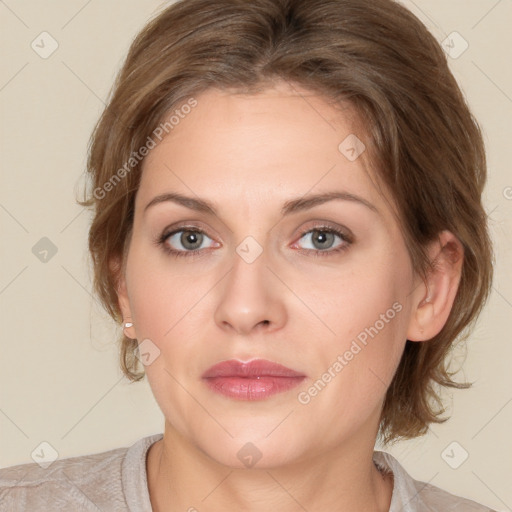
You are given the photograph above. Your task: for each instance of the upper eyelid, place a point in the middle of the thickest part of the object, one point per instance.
(344, 232)
(173, 229)
(322, 226)
(167, 233)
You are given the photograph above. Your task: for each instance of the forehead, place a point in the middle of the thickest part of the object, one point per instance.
(245, 148)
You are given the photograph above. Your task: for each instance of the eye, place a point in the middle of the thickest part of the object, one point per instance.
(184, 242)
(322, 241)
(192, 241)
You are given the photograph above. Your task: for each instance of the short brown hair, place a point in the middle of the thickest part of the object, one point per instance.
(424, 143)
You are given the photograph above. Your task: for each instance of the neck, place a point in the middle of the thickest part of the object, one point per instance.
(182, 477)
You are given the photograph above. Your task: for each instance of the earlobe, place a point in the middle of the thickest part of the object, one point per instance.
(122, 297)
(433, 301)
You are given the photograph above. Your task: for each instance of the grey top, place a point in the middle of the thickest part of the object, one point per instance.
(116, 481)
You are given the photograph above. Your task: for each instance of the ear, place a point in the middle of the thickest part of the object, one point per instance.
(122, 296)
(433, 300)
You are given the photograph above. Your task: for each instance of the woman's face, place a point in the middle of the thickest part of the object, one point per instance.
(321, 287)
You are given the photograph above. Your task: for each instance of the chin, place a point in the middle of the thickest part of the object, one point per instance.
(251, 449)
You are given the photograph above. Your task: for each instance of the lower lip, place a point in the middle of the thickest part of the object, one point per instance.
(244, 388)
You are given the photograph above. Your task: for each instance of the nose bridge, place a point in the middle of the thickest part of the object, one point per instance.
(249, 297)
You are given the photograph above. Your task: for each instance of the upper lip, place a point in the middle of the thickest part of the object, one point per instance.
(254, 368)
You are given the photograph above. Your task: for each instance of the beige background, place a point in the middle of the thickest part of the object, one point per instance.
(59, 379)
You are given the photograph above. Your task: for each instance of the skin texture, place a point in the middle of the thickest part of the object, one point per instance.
(249, 155)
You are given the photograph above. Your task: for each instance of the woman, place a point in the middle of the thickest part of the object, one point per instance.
(290, 259)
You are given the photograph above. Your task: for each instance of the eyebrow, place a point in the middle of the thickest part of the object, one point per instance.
(289, 207)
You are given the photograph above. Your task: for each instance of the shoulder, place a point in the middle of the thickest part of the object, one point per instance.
(87, 482)
(73, 482)
(410, 495)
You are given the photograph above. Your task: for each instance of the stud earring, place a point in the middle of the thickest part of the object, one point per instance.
(128, 324)
(428, 299)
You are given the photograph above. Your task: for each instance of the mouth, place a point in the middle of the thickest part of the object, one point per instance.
(254, 380)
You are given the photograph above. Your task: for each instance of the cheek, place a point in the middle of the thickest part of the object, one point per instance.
(161, 299)
(165, 309)
(168, 308)
(365, 300)
(366, 312)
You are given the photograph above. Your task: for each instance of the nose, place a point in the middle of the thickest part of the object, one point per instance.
(251, 298)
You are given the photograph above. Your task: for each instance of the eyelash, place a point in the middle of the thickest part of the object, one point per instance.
(161, 241)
